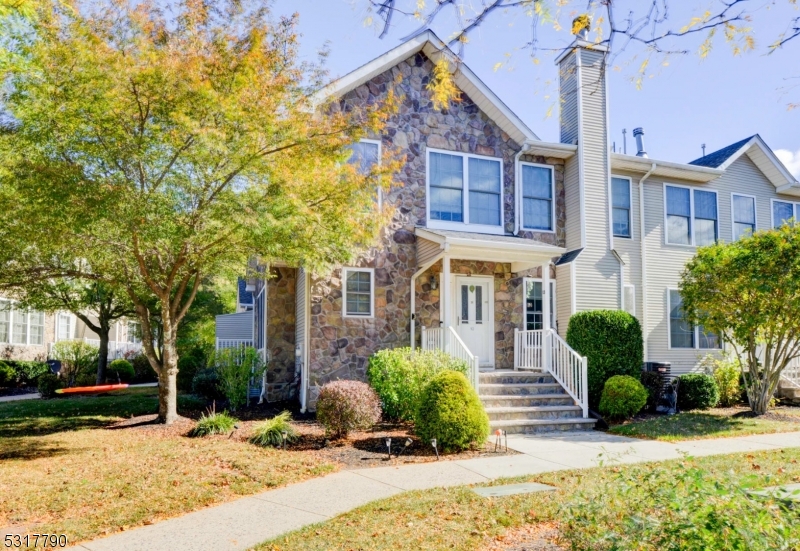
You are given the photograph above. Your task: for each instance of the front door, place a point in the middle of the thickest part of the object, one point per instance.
(474, 316)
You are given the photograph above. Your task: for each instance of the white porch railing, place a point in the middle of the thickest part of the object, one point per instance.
(546, 350)
(791, 373)
(233, 343)
(448, 341)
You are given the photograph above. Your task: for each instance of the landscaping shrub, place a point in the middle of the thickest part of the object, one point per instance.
(451, 412)
(206, 384)
(270, 432)
(47, 384)
(120, 370)
(399, 375)
(623, 397)
(653, 384)
(235, 367)
(78, 361)
(727, 373)
(213, 423)
(143, 371)
(189, 363)
(697, 391)
(28, 372)
(677, 507)
(612, 342)
(8, 375)
(345, 406)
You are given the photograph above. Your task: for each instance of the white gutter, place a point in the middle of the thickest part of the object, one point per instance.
(518, 189)
(581, 158)
(644, 256)
(414, 277)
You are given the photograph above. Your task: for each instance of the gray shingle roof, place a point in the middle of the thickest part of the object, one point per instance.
(717, 158)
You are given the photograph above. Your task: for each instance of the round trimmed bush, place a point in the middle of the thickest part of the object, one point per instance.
(697, 391)
(47, 384)
(206, 384)
(345, 406)
(612, 342)
(121, 370)
(623, 397)
(8, 375)
(451, 412)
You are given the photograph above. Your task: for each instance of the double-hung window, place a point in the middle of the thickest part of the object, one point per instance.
(134, 332)
(22, 327)
(359, 292)
(537, 197)
(621, 206)
(784, 212)
(64, 327)
(367, 154)
(691, 216)
(683, 334)
(743, 214)
(465, 190)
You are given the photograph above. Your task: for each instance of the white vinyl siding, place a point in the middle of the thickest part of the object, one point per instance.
(621, 206)
(20, 327)
(783, 211)
(538, 197)
(629, 299)
(358, 294)
(465, 192)
(691, 215)
(743, 215)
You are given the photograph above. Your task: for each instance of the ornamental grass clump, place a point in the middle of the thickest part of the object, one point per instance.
(345, 406)
(214, 423)
(451, 412)
(399, 375)
(271, 431)
(623, 397)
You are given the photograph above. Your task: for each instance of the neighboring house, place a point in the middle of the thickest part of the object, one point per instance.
(30, 335)
(499, 237)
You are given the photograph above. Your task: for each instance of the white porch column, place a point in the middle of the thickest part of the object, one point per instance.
(548, 338)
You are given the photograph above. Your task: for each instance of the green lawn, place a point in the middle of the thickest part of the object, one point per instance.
(62, 471)
(714, 423)
(611, 507)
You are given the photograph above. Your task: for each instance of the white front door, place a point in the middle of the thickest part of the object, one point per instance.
(474, 315)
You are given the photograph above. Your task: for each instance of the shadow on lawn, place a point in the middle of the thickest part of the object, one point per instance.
(27, 449)
(689, 424)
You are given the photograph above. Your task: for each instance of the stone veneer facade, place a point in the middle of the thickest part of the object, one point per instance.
(282, 381)
(339, 347)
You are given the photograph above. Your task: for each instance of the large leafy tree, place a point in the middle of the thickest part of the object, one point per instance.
(748, 291)
(166, 142)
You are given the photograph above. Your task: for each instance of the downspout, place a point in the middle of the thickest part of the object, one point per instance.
(644, 256)
(414, 277)
(518, 189)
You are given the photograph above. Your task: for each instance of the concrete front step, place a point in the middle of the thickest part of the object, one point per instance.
(516, 377)
(518, 389)
(789, 393)
(527, 400)
(532, 426)
(530, 413)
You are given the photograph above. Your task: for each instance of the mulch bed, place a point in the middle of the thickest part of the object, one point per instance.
(360, 449)
(531, 537)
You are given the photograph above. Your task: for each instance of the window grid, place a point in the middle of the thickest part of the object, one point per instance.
(19, 327)
(691, 216)
(534, 304)
(358, 292)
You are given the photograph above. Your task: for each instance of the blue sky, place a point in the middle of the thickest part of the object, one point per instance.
(717, 100)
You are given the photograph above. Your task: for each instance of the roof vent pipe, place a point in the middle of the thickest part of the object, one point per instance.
(638, 133)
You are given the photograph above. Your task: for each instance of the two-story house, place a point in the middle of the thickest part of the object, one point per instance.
(498, 237)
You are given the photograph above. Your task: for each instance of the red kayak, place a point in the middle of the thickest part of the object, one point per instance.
(90, 389)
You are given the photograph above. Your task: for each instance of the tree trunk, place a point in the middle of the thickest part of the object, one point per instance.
(168, 396)
(102, 358)
(760, 402)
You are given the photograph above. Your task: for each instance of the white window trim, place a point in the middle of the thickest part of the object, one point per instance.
(795, 207)
(27, 342)
(519, 191)
(624, 306)
(380, 156)
(554, 309)
(630, 208)
(371, 271)
(691, 214)
(733, 217)
(463, 226)
(696, 328)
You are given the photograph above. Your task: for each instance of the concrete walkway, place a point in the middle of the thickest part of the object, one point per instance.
(248, 521)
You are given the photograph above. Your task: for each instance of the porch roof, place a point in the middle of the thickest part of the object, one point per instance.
(520, 252)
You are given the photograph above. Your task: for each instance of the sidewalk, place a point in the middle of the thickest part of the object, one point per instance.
(248, 521)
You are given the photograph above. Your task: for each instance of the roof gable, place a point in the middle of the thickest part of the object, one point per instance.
(761, 155)
(467, 81)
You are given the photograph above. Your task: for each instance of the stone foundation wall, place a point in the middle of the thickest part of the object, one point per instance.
(280, 318)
